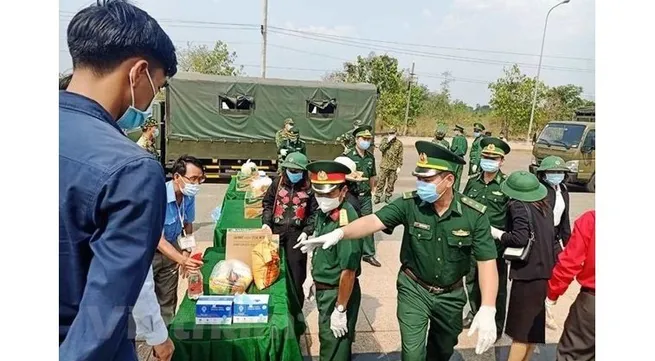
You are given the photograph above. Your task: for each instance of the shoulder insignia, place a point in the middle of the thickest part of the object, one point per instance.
(343, 218)
(409, 195)
(473, 204)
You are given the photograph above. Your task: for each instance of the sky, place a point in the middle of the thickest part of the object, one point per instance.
(471, 39)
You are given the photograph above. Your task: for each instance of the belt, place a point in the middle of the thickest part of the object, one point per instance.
(324, 286)
(432, 289)
(591, 291)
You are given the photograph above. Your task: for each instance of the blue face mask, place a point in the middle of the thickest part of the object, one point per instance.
(554, 178)
(489, 165)
(427, 191)
(476, 134)
(294, 177)
(134, 118)
(364, 144)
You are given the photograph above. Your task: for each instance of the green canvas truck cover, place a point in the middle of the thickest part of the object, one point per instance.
(210, 107)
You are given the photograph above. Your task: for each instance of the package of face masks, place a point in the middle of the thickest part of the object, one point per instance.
(250, 309)
(214, 310)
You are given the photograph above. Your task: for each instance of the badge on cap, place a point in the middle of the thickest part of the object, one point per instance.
(490, 147)
(422, 158)
(322, 176)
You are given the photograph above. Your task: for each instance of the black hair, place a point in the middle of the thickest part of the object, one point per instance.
(180, 164)
(64, 81)
(104, 35)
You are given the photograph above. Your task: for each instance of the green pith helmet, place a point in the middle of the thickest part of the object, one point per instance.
(433, 159)
(494, 147)
(523, 186)
(553, 163)
(295, 160)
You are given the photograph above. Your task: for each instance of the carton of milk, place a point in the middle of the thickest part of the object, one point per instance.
(250, 308)
(214, 310)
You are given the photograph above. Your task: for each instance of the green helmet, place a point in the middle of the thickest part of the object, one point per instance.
(523, 186)
(553, 163)
(295, 160)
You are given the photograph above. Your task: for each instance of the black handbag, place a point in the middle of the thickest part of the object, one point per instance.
(521, 253)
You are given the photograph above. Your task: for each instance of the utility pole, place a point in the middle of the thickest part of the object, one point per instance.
(264, 31)
(409, 94)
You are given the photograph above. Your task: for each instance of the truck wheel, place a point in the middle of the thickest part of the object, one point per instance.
(591, 186)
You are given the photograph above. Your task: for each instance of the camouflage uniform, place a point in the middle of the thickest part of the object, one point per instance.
(439, 135)
(392, 160)
(146, 142)
(292, 144)
(282, 134)
(347, 139)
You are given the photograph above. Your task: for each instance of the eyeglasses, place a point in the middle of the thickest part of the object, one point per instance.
(195, 179)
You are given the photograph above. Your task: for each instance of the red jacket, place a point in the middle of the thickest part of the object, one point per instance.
(578, 259)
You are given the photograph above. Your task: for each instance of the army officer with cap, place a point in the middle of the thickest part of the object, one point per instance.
(474, 156)
(442, 228)
(335, 270)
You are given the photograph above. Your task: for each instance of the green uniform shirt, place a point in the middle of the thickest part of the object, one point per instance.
(366, 165)
(459, 146)
(443, 142)
(392, 153)
(327, 264)
(476, 150)
(294, 146)
(491, 196)
(438, 249)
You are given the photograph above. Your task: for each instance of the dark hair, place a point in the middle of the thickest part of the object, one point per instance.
(180, 164)
(64, 81)
(104, 35)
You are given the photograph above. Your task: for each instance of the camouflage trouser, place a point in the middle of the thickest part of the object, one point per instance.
(388, 177)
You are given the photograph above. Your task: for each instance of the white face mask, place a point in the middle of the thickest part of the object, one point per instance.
(326, 204)
(190, 189)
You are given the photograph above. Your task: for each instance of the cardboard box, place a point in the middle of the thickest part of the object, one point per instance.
(214, 310)
(250, 309)
(240, 242)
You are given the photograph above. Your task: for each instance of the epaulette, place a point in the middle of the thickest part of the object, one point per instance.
(474, 175)
(343, 218)
(473, 204)
(409, 195)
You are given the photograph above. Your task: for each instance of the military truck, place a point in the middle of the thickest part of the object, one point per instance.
(575, 142)
(224, 121)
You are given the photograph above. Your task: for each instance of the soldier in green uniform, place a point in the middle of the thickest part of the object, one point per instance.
(474, 156)
(366, 164)
(292, 144)
(347, 139)
(439, 135)
(335, 270)
(284, 133)
(485, 188)
(150, 132)
(459, 147)
(392, 160)
(442, 229)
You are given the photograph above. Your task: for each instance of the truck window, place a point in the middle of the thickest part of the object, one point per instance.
(561, 134)
(322, 109)
(590, 140)
(240, 104)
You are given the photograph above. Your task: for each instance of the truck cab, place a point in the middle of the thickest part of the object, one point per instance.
(575, 142)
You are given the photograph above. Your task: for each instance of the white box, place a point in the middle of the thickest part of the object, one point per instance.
(250, 309)
(214, 310)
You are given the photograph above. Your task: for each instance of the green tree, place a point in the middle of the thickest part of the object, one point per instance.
(202, 59)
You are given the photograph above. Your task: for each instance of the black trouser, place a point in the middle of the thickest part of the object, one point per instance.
(578, 342)
(296, 260)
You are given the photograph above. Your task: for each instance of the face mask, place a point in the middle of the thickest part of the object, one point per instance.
(364, 144)
(156, 133)
(489, 165)
(476, 134)
(133, 117)
(326, 204)
(190, 189)
(428, 191)
(294, 177)
(391, 136)
(554, 178)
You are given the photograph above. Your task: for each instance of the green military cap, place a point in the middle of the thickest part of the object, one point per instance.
(553, 163)
(494, 147)
(294, 130)
(433, 159)
(288, 121)
(357, 123)
(523, 186)
(150, 122)
(458, 127)
(363, 131)
(295, 160)
(478, 126)
(392, 130)
(326, 175)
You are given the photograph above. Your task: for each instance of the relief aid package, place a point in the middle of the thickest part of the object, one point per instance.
(230, 277)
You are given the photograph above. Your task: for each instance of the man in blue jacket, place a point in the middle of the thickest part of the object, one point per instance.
(112, 196)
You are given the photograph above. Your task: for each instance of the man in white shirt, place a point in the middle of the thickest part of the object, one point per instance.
(150, 325)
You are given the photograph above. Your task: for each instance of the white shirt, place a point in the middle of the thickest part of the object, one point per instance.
(558, 210)
(149, 324)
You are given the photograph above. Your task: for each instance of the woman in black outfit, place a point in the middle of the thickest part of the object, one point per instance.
(552, 174)
(528, 216)
(289, 211)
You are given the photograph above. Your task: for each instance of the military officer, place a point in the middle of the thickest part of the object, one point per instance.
(474, 156)
(292, 144)
(335, 270)
(459, 147)
(366, 164)
(439, 135)
(284, 133)
(150, 132)
(485, 188)
(442, 229)
(392, 160)
(347, 139)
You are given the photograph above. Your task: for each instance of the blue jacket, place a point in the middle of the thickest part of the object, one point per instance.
(112, 202)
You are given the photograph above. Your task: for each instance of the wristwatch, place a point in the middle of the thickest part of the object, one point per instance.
(341, 309)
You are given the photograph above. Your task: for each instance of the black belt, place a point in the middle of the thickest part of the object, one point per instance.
(588, 290)
(432, 289)
(324, 286)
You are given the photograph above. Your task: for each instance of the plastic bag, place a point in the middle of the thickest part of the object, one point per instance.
(260, 185)
(216, 214)
(229, 277)
(265, 263)
(248, 168)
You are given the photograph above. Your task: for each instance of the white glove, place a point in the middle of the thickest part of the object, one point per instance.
(283, 152)
(485, 323)
(302, 237)
(267, 228)
(327, 240)
(474, 168)
(338, 323)
(550, 319)
(496, 233)
(308, 288)
(398, 170)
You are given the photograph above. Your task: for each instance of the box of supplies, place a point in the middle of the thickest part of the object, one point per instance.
(214, 310)
(252, 206)
(250, 309)
(244, 181)
(239, 243)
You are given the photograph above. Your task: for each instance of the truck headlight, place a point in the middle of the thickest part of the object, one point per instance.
(573, 165)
